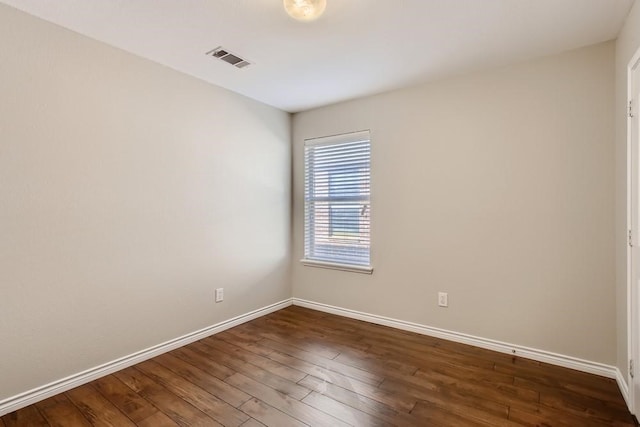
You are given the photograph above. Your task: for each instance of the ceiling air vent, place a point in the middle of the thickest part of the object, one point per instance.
(228, 57)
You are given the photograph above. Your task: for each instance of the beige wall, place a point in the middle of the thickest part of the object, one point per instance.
(128, 192)
(495, 187)
(627, 44)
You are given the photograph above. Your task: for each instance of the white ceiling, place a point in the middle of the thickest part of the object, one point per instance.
(359, 47)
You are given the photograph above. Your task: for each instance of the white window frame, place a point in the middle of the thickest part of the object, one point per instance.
(331, 264)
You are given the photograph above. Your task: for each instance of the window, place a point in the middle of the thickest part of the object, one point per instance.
(337, 209)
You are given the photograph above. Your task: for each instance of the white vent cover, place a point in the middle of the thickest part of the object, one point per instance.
(228, 57)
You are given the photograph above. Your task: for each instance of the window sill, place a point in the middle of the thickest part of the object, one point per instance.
(335, 266)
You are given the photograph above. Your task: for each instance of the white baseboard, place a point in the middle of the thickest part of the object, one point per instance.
(624, 388)
(502, 347)
(40, 393)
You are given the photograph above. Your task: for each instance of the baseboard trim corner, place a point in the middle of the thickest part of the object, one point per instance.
(43, 392)
(489, 344)
(622, 385)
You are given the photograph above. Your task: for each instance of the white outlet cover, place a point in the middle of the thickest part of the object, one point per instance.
(443, 299)
(219, 294)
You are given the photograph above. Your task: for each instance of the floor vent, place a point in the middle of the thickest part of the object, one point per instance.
(228, 57)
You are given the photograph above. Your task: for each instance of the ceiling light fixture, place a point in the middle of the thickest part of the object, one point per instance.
(305, 10)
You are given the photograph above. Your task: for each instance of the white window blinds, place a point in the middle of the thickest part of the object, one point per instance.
(337, 225)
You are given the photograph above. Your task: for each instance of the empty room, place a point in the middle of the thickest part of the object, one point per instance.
(319, 212)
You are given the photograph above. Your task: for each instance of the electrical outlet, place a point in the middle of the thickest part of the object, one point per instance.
(219, 294)
(443, 299)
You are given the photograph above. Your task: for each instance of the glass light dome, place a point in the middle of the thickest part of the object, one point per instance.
(305, 10)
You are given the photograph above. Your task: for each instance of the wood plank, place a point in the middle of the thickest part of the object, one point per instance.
(485, 359)
(583, 406)
(475, 407)
(390, 362)
(341, 411)
(284, 403)
(398, 401)
(298, 339)
(180, 411)
(362, 329)
(555, 383)
(241, 340)
(268, 415)
(323, 362)
(202, 379)
(479, 376)
(372, 363)
(239, 333)
(378, 331)
(481, 387)
(98, 410)
(310, 314)
(59, 411)
(275, 381)
(211, 405)
(317, 333)
(203, 361)
(433, 415)
(360, 402)
(252, 422)
(544, 416)
(299, 364)
(262, 362)
(423, 355)
(158, 419)
(138, 409)
(27, 416)
(554, 376)
(469, 414)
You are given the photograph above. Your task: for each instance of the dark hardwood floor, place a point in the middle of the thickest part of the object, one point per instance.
(300, 367)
